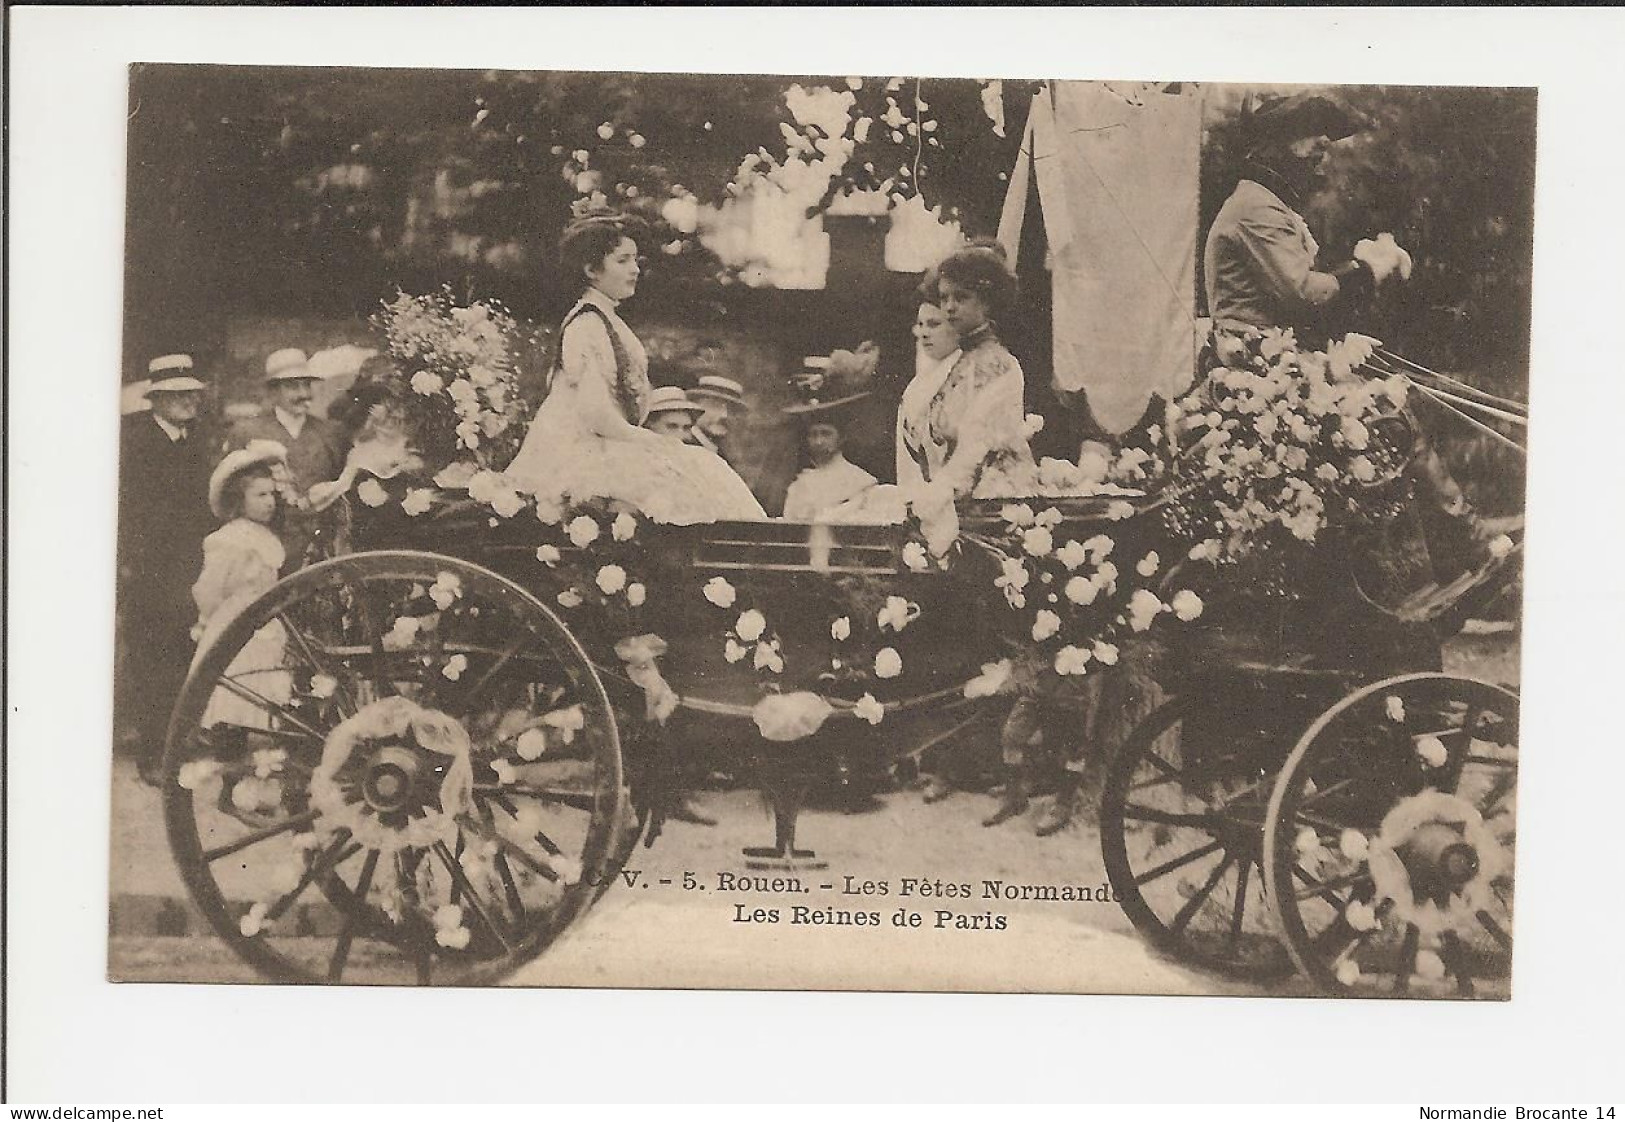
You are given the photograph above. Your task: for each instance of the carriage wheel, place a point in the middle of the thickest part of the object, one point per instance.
(1389, 845)
(393, 767)
(1180, 831)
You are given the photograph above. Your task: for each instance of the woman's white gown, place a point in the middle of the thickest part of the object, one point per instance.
(585, 443)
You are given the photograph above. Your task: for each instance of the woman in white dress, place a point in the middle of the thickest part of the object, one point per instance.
(962, 424)
(585, 441)
(937, 350)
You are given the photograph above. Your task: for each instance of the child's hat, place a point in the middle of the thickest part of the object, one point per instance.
(257, 452)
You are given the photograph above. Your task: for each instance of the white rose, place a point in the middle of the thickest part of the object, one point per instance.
(1205, 550)
(1070, 660)
(869, 709)
(840, 630)
(1017, 514)
(507, 503)
(1187, 605)
(1081, 590)
(1361, 916)
(611, 579)
(445, 590)
(750, 625)
(547, 554)
(993, 678)
(418, 500)
(1105, 653)
(1045, 625)
(426, 383)
(1432, 751)
(768, 658)
(636, 594)
(733, 651)
(455, 665)
(1148, 564)
(1143, 607)
(1363, 469)
(914, 557)
(1072, 554)
(569, 598)
(1348, 972)
(720, 592)
(371, 493)
(1100, 547)
(623, 527)
(1394, 706)
(897, 614)
(1120, 510)
(888, 663)
(1037, 541)
(323, 685)
(583, 531)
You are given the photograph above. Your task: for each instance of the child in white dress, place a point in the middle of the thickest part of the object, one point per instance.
(241, 560)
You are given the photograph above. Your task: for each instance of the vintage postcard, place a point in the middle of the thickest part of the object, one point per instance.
(863, 532)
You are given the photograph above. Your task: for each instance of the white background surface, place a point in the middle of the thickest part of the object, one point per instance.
(73, 1038)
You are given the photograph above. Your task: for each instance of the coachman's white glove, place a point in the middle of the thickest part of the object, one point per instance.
(1384, 257)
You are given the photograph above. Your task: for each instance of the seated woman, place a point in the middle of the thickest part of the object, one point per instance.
(585, 441)
(962, 424)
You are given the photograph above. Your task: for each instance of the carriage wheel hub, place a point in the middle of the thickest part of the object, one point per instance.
(391, 776)
(1439, 859)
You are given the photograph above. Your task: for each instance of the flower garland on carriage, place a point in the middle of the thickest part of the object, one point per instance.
(1081, 564)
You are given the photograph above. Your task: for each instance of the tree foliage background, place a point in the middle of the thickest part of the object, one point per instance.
(320, 192)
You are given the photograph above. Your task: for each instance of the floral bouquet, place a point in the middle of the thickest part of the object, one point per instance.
(1070, 605)
(455, 374)
(1279, 446)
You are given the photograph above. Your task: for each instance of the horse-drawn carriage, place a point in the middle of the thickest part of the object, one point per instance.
(471, 727)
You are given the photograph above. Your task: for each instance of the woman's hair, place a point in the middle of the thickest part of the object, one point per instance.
(981, 267)
(587, 241)
(231, 496)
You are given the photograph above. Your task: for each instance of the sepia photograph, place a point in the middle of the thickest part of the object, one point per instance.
(857, 532)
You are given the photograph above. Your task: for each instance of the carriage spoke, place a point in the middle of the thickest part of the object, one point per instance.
(475, 905)
(575, 800)
(307, 652)
(540, 868)
(1333, 941)
(1187, 913)
(1233, 939)
(212, 744)
(1407, 958)
(263, 834)
(341, 953)
(1167, 867)
(1324, 792)
(472, 696)
(516, 903)
(1138, 813)
(1498, 932)
(1455, 957)
(255, 698)
(1320, 889)
(336, 854)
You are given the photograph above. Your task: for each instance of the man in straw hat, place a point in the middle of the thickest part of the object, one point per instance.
(717, 398)
(672, 414)
(315, 445)
(831, 385)
(162, 520)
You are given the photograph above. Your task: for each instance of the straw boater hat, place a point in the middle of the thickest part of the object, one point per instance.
(258, 452)
(671, 399)
(720, 388)
(288, 365)
(172, 374)
(840, 379)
